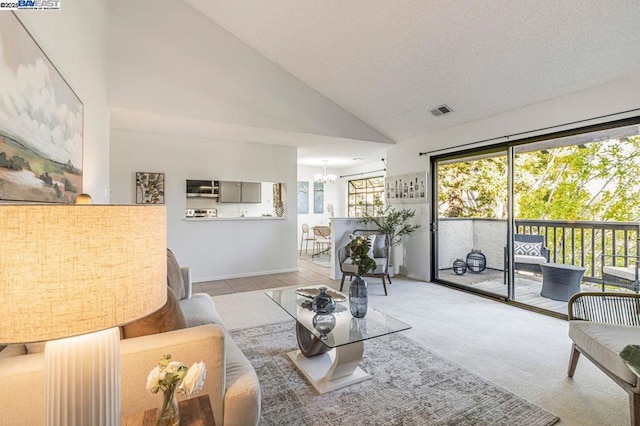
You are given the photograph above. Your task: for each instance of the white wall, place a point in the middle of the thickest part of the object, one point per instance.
(75, 40)
(612, 98)
(213, 249)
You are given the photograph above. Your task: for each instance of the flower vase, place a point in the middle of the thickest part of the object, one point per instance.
(323, 303)
(358, 299)
(169, 415)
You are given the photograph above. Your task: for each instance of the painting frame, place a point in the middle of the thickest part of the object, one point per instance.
(318, 198)
(150, 188)
(302, 203)
(41, 122)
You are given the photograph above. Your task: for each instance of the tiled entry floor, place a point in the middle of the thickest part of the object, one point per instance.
(308, 274)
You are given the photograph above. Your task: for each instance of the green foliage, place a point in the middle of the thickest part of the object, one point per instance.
(358, 249)
(597, 181)
(394, 223)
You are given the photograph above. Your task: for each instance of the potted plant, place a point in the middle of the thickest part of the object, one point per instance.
(358, 249)
(392, 222)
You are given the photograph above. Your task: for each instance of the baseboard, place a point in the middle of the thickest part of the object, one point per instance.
(243, 275)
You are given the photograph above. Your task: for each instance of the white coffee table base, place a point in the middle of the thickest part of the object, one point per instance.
(332, 370)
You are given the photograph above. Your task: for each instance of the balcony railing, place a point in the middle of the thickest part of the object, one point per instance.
(584, 243)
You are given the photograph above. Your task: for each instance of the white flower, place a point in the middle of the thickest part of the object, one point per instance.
(153, 380)
(169, 374)
(194, 379)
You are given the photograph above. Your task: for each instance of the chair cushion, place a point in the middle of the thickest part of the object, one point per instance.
(628, 273)
(604, 342)
(167, 318)
(526, 248)
(348, 267)
(379, 246)
(372, 242)
(538, 260)
(174, 276)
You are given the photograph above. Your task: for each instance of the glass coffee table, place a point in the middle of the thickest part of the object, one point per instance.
(330, 351)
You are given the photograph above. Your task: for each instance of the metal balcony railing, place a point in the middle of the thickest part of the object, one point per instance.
(587, 244)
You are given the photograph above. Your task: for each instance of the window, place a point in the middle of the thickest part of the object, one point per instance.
(364, 194)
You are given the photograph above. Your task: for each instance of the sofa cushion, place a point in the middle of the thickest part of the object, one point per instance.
(349, 267)
(167, 318)
(174, 276)
(13, 350)
(538, 260)
(604, 342)
(200, 310)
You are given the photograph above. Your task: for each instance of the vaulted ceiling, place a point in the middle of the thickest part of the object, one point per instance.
(363, 71)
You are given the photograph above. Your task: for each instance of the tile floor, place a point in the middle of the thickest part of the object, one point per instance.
(308, 274)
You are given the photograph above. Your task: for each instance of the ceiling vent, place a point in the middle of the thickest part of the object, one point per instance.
(441, 110)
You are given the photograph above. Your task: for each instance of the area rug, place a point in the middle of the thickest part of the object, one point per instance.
(410, 386)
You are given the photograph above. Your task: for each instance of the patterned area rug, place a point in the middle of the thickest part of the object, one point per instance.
(409, 386)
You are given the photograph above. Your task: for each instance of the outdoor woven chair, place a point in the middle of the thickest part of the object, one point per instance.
(600, 326)
(627, 276)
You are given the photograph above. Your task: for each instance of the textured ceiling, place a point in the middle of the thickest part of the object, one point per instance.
(390, 62)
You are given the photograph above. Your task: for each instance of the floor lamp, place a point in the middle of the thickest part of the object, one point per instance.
(88, 269)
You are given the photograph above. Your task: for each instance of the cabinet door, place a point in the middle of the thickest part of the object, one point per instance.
(251, 192)
(230, 192)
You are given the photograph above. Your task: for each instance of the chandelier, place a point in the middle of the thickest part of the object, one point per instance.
(324, 177)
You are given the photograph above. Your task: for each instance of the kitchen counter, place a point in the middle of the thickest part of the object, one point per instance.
(205, 219)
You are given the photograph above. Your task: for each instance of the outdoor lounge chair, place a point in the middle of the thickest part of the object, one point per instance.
(600, 326)
(621, 276)
(529, 254)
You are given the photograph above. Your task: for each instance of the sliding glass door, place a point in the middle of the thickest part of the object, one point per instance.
(535, 221)
(470, 223)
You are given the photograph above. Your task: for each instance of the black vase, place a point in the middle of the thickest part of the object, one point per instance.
(358, 300)
(459, 266)
(323, 303)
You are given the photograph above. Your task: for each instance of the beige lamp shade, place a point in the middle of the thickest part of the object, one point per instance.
(67, 270)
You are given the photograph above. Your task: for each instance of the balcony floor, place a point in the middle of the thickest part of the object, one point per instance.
(527, 288)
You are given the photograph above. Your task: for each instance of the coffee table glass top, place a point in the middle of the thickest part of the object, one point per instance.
(347, 329)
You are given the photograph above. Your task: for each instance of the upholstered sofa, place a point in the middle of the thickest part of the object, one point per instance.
(231, 382)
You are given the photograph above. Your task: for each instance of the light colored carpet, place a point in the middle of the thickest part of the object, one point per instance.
(409, 386)
(521, 351)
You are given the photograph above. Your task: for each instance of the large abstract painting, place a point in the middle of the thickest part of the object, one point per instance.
(41, 122)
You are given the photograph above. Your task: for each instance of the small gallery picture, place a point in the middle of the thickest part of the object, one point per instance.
(149, 188)
(303, 197)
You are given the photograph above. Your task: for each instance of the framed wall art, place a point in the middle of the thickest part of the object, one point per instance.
(303, 197)
(318, 197)
(41, 122)
(409, 188)
(149, 188)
